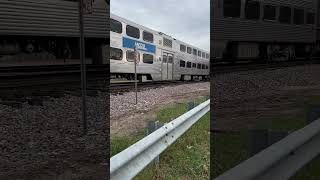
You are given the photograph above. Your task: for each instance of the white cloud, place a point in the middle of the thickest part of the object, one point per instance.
(186, 20)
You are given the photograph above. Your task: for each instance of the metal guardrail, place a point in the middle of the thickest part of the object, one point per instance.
(128, 163)
(281, 160)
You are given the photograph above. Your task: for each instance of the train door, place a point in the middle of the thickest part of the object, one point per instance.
(167, 66)
(170, 67)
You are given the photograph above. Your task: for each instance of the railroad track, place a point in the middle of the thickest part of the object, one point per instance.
(225, 68)
(129, 86)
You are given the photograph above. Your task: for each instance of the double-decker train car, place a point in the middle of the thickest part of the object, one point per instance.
(160, 57)
(46, 32)
(264, 29)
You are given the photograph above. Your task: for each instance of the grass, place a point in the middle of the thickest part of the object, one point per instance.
(187, 158)
(228, 151)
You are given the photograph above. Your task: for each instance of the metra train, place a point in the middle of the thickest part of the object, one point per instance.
(161, 57)
(46, 32)
(275, 30)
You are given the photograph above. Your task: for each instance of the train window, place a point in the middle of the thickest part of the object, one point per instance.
(164, 59)
(203, 66)
(285, 15)
(170, 59)
(115, 53)
(298, 16)
(207, 55)
(189, 50)
(252, 9)
(194, 52)
(182, 48)
(269, 12)
(203, 54)
(115, 26)
(310, 18)
(188, 64)
(199, 66)
(147, 36)
(231, 8)
(194, 65)
(133, 32)
(131, 56)
(167, 42)
(207, 67)
(182, 63)
(148, 58)
(199, 53)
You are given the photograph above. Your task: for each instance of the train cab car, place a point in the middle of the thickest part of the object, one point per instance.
(160, 56)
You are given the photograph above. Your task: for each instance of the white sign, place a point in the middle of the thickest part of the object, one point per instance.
(87, 6)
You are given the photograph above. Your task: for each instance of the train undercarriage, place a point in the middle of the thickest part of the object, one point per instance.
(232, 51)
(27, 50)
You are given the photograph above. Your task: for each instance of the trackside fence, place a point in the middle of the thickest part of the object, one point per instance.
(128, 163)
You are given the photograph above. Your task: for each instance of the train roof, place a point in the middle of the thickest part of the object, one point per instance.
(116, 17)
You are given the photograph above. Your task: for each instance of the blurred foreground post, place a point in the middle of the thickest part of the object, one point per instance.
(85, 7)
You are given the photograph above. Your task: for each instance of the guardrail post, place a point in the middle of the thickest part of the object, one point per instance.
(313, 113)
(153, 126)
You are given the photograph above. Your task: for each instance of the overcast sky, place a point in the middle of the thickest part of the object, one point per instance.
(185, 20)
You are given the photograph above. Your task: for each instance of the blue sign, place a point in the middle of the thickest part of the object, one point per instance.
(130, 43)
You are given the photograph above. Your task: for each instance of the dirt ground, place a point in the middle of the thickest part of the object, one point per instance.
(135, 121)
(247, 113)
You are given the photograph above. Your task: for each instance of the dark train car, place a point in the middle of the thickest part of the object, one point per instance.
(46, 32)
(264, 29)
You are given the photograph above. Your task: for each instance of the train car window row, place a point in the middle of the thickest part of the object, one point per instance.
(252, 10)
(148, 58)
(310, 18)
(189, 50)
(232, 9)
(298, 16)
(116, 54)
(115, 26)
(133, 32)
(199, 53)
(188, 64)
(285, 15)
(269, 12)
(147, 36)
(182, 63)
(131, 56)
(194, 52)
(182, 48)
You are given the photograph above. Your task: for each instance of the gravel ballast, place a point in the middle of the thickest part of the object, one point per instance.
(41, 141)
(237, 95)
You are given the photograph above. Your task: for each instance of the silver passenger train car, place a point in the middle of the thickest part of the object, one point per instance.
(161, 57)
(264, 29)
(46, 32)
